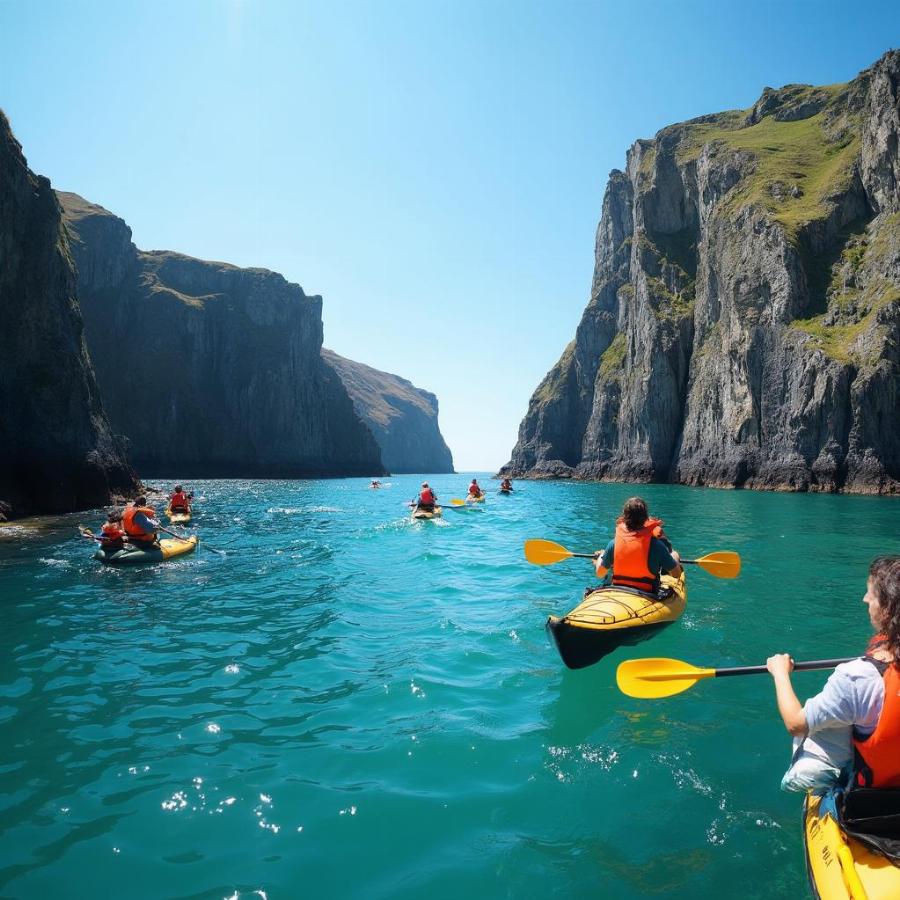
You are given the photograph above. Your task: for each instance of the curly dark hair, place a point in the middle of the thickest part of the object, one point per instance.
(634, 513)
(884, 574)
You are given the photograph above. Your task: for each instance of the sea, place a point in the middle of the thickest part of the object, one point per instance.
(328, 700)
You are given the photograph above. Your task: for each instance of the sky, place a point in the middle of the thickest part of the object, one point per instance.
(435, 170)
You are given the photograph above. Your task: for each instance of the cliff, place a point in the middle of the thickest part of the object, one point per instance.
(208, 369)
(402, 417)
(743, 328)
(57, 452)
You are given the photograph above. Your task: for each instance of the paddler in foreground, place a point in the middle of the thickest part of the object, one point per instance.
(140, 524)
(639, 552)
(853, 724)
(112, 536)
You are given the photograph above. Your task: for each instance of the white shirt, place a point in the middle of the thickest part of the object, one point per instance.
(852, 696)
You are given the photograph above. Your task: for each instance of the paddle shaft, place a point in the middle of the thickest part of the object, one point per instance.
(798, 667)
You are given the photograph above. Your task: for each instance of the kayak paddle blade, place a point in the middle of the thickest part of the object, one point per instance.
(656, 677)
(545, 553)
(723, 564)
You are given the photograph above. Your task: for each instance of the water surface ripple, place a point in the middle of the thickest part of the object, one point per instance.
(327, 700)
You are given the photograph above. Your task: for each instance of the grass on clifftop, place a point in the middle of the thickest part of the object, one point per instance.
(797, 168)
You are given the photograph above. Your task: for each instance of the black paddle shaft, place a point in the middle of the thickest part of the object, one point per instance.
(798, 667)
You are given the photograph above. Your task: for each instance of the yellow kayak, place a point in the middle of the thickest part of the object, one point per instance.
(839, 866)
(612, 616)
(420, 514)
(168, 548)
(178, 518)
(471, 499)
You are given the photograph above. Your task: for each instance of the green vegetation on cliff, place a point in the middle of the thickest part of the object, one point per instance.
(798, 165)
(613, 358)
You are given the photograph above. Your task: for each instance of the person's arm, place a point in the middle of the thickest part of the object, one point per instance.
(678, 567)
(781, 665)
(663, 560)
(603, 563)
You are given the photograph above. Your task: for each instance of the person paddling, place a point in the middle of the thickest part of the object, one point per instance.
(112, 535)
(140, 524)
(180, 501)
(427, 498)
(506, 485)
(639, 552)
(852, 727)
(475, 491)
(375, 483)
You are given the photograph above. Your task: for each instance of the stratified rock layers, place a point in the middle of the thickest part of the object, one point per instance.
(744, 322)
(403, 418)
(57, 452)
(208, 369)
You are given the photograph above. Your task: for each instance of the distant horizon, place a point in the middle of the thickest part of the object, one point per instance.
(435, 175)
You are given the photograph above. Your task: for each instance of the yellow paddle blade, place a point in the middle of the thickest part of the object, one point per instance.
(723, 564)
(658, 677)
(545, 553)
(455, 501)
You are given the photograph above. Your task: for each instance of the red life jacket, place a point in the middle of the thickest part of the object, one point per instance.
(426, 497)
(474, 490)
(135, 533)
(878, 755)
(111, 535)
(179, 501)
(631, 553)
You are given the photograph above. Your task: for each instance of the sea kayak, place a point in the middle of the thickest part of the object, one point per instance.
(178, 518)
(419, 514)
(471, 499)
(612, 616)
(502, 491)
(839, 866)
(167, 548)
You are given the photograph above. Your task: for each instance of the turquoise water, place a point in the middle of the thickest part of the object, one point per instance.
(340, 703)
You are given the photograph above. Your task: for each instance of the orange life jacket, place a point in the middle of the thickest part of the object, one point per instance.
(878, 755)
(111, 535)
(178, 501)
(426, 497)
(135, 533)
(474, 490)
(631, 553)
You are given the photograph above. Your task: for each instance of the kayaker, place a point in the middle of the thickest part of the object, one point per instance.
(474, 490)
(375, 483)
(506, 485)
(853, 725)
(426, 499)
(112, 535)
(140, 524)
(640, 552)
(180, 501)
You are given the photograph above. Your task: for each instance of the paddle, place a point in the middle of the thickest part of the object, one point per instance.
(660, 677)
(723, 564)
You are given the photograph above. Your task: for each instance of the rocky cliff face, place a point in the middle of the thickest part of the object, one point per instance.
(402, 417)
(208, 369)
(57, 452)
(744, 321)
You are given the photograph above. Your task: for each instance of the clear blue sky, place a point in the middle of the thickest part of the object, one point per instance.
(434, 170)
